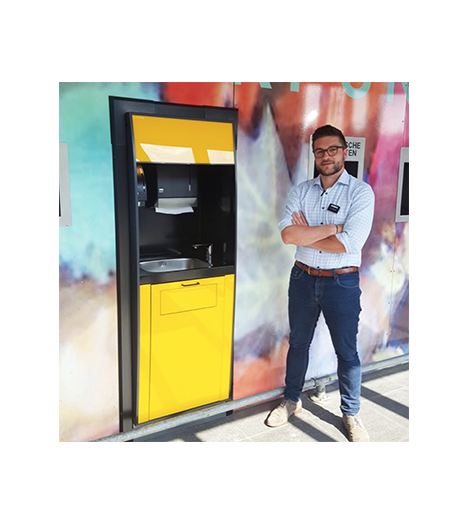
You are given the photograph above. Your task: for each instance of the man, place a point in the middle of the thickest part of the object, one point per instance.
(329, 219)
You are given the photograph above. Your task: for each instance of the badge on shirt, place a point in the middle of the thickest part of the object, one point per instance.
(334, 208)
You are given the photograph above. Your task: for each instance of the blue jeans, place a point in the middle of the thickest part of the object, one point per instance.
(338, 297)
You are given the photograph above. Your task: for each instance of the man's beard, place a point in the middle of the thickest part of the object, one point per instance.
(336, 168)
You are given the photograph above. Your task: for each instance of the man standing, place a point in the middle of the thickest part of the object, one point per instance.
(329, 219)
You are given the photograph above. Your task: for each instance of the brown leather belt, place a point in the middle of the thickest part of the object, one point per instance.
(326, 272)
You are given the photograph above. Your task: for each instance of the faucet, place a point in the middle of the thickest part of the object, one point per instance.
(208, 247)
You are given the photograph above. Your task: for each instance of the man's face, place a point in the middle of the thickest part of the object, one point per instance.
(330, 165)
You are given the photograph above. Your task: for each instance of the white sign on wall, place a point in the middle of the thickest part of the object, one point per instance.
(402, 203)
(355, 156)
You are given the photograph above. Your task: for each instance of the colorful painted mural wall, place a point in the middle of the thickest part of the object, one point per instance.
(275, 123)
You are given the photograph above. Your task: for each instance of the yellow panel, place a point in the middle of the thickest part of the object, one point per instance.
(190, 296)
(190, 350)
(225, 378)
(178, 140)
(144, 354)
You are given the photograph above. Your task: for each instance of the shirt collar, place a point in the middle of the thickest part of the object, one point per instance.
(343, 179)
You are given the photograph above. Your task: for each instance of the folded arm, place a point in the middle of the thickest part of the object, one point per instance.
(318, 237)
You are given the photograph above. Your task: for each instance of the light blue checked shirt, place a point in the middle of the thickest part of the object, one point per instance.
(355, 199)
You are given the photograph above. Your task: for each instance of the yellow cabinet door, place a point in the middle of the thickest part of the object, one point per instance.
(182, 141)
(191, 325)
(144, 354)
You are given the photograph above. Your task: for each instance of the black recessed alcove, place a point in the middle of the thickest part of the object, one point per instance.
(212, 220)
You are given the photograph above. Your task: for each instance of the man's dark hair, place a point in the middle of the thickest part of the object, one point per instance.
(329, 131)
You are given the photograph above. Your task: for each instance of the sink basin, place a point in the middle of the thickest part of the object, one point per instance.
(173, 264)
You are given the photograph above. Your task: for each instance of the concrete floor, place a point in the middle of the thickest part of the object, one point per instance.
(384, 411)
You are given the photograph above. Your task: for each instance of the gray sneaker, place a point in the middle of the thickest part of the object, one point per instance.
(355, 428)
(282, 413)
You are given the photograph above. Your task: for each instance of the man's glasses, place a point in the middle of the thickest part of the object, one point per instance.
(331, 151)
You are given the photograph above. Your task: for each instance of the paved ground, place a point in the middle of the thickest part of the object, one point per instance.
(384, 411)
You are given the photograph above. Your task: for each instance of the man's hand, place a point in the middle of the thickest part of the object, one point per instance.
(298, 219)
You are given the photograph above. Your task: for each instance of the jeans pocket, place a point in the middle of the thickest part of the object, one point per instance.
(295, 272)
(348, 280)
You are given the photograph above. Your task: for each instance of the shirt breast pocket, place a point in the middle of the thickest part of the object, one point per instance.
(337, 216)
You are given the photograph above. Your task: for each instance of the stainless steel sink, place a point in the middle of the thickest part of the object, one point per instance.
(172, 264)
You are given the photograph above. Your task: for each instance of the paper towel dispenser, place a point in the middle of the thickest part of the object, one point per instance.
(177, 186)
(166, 186)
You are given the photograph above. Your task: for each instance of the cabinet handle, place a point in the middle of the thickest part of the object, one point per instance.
(194, 284)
